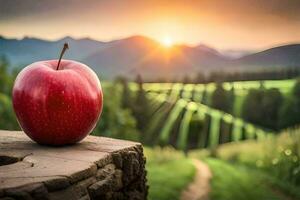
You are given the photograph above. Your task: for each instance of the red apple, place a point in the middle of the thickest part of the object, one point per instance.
(57, 102)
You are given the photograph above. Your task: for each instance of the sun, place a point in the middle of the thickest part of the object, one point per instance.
(167, 41)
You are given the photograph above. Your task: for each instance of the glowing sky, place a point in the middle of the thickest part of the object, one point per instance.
(225, 24)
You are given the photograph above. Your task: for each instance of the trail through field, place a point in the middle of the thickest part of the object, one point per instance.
(199, 189)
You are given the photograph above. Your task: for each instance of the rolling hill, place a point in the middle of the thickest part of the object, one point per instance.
(28, 50)
(142, 55)
(288, 55)
(139, 54)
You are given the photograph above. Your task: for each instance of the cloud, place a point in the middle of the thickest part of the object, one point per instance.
(11, 9)
(221, 23)
(288, 9)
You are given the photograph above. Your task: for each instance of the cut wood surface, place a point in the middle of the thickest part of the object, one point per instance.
(26, 166)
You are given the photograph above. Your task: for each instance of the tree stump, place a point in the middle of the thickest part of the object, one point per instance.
(96, 168)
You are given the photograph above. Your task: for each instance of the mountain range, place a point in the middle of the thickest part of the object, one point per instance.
(142, 55)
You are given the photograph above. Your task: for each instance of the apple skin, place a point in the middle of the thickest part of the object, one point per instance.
(57, 107)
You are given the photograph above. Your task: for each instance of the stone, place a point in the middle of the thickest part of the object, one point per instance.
(96, 168)
(57, 183)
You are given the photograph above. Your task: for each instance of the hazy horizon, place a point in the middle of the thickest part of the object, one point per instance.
(125, 37)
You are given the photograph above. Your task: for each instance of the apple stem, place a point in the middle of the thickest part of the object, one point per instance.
(66, 46)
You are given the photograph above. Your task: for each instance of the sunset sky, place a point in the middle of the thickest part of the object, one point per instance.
(227, 24)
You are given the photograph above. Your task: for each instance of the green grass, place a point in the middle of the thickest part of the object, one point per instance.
(168, 173)
(232, 182)
(171, 113)
(263, 169)
(166, 130)
(247, 170)
(238, 102)
(184, 129)
(241, 89)
(272, 162)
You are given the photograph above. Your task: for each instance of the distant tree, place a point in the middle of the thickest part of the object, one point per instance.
(231, 99)
(8, 119)
(6, 78)
(195, 131)
(275, 74)
(126, 93)
(204, 95)
(7, 116)
(116, 121)
(225, 132)
(296, 90)
(186, 79)
(230, 76)
(261, 85)
(290, 111)
(252, 107)
(200, 78)
(141, 106)
(272, 102)
(221, 99)
(262, 107)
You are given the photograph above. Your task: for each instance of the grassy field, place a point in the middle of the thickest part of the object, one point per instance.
(265, 169)
(235, 175)
(237, 182)
(169, 172)
(170, 110)
(240, 88)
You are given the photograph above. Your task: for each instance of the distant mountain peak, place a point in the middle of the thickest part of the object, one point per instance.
(67, 38)
(139, 39)
(136, 41)
(32, 39)
(236, 53)
(87, 39)
(28, 38)
(204, 47)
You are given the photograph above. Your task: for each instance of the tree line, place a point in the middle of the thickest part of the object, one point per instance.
(268, 108)
(7, 117)
(227, 76)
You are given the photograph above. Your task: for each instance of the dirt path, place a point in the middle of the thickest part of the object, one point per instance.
(199, 189)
